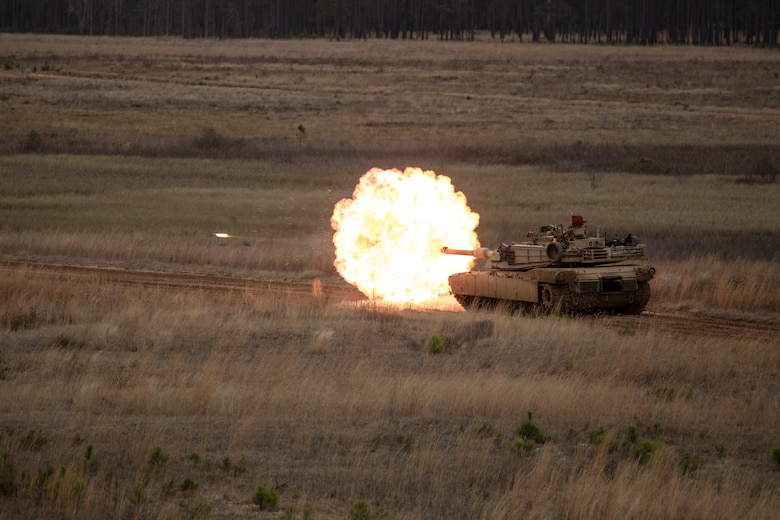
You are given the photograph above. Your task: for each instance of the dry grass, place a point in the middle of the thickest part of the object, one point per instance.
(709, 282)
(327, 404)
(677, 109)
(713, 240)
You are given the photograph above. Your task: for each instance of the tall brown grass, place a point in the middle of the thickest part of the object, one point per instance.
(702, 282)
(713, 240)
(329, 405)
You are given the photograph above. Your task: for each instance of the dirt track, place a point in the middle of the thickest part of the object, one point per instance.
(178, 280)
(679, 322)
(688, 323)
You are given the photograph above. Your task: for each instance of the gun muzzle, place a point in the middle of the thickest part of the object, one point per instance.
(480, 252)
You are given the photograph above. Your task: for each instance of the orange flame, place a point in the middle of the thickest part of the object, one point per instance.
(389, 235)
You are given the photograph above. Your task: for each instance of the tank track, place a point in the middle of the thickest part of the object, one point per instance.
(555, 299)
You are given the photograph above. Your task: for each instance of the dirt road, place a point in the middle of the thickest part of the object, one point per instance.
(337, 291)
(178, 280)
(696, 324)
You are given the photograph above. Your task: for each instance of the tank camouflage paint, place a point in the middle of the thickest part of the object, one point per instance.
(559, 269)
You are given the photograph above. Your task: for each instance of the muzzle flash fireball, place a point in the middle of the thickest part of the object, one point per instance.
(389, 235)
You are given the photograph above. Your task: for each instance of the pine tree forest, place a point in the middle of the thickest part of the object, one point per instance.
(641, 22)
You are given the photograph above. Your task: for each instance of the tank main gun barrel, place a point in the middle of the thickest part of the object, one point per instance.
(480, 252)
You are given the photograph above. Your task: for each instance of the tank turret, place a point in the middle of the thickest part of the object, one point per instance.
(556, 245)
(558, 268)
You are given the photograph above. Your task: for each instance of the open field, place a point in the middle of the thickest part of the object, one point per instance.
(330, 404)
(714, 240)
(688, 110)
(130, 153)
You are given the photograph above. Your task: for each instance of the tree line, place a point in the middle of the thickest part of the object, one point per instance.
(646, 22)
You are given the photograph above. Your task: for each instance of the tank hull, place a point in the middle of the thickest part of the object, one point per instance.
(616, 288)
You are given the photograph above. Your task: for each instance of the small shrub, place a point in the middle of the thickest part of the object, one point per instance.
(300, 136)
(157, 458)
(776, 454)
(434, 344)
(137, 494)
(625, 330)
(530, 431)
(155, 464)
(194, 457)
(598, 435)
(188, 485)
(359, 510)
(689, 463)
(90, 463)
(520, 445)
(226, 465)
(210, 139)
(265, 498)
(44, 480)
(632, 433)
(645, 449)
(7, 474)
(78, 486)
(229, 466)
(32, 141)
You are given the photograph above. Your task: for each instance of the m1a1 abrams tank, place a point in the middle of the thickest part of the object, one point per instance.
(559, 269)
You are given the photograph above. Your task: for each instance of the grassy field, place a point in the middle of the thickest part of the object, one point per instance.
(330, 406)
(713, 239)
(656, 109)
(142, 402)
